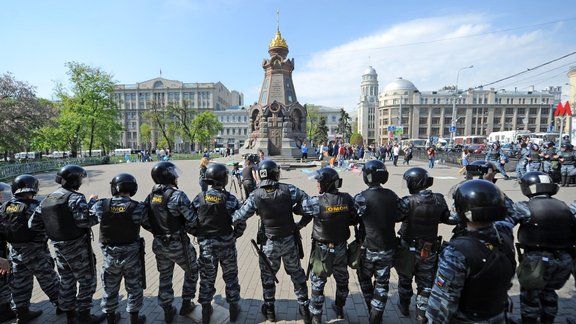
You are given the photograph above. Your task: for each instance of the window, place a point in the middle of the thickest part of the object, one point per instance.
(521, 111)
(533, 111)
(509, 111)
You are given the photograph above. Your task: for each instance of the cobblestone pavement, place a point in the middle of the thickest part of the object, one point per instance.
(251, 293)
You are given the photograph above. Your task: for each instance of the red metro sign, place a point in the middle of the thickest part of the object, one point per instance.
(563, 110)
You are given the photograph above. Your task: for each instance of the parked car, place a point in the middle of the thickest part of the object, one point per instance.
(477, 148)
(509, 150)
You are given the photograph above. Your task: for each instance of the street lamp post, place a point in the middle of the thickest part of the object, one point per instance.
(453, 124)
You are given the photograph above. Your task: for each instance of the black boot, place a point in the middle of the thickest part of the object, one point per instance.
(529, 320)
(564, 180)
(338, 307)
(404, 306)
(113, 318)
(268, 312)
(207, 311)
(25, 315)
(6, 313)
(136, 318)
(375, 316)
(305, 313)
(187, 307)
(71, 317)
(234, 309)
(85, 317)
(317, 319)
(546, 319)
(169, 313)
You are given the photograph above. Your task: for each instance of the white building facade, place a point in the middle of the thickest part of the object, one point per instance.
(135, 99)
(368, 106)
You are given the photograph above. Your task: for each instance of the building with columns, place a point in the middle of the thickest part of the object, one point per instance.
(368, 106)
(135, 99)
(234, 127)
(426, 114)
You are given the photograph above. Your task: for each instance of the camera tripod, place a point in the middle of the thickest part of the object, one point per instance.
(236, 183)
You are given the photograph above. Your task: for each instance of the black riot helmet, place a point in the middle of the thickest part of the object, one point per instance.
(216, 174)
(479, 201)
(24, 183)
(123, 183)
(479, 168)
(328, 179)
(374, 172)
(269, 170)
(537, 183)
(417, 179)
(70, 176)
(164, 173)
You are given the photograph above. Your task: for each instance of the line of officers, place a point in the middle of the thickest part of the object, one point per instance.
(462, 281)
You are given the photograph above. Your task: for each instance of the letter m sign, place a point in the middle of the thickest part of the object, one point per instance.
(563, 110)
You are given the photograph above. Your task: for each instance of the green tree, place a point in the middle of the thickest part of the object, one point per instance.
(21, 112)
(312, 119)
(321, 132)
(146, 134)
(161, 120)
(87, 113)
(356, 139)
(184, 117)
(344, 126)
(205, 126)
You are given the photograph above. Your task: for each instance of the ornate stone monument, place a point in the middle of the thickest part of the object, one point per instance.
(277, 120)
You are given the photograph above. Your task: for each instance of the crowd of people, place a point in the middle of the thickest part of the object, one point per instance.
(465, 280)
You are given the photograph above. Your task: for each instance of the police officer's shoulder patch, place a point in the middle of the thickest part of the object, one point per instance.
(440, 281)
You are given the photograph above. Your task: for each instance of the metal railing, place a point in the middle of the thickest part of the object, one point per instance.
(10, 171)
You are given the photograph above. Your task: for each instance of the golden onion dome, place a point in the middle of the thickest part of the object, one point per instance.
(278, 41)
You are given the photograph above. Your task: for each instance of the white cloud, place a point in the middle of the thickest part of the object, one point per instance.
(429, 52)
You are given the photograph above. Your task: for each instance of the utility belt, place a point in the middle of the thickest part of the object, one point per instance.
(422, 246)
(555, 252)
(167, 238)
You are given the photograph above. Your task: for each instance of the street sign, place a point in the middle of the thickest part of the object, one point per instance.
(563, 110)
(399, 130)
(391, 128)
(452, 129)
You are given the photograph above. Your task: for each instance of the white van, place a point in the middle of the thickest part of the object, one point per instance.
(122, 152)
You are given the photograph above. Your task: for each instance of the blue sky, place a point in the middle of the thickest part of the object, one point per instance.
(332, 42)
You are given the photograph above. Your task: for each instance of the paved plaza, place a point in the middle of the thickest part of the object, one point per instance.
(286, 306)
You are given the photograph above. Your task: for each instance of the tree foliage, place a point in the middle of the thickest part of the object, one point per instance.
(160, 120)
(321, 132)
(205, 126)
(312, 120)
(87, 112)
(356, 139)
(184, 117)
(344, 126)
(21, 112)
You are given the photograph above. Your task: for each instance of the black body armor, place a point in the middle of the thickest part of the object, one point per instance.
(380, 218)
(213, 217)
(425, 215)
(17, 214)
(161, 221)
(58, 218)
(117, 226)
(274, 204)
(333, 224)
(568, 157)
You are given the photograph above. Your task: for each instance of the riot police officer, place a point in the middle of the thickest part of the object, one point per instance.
(217, 240)
(275, 202)
(28, 249)
(475, 269)
(417, 252)
(547, 235)
(65, 216)
(120, 220)
(547, 155)
(522, 162)
(534, 159)
(334, 213)
(497, 158)
(170, 216)
(378, 212)
(567, 158)
(6, 312)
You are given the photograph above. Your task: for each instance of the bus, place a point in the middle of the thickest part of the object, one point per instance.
(539, 138)
(122, 152)
(95, 153)
(468, 140)
(507, 136)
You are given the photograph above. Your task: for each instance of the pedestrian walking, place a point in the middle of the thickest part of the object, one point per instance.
(396, 154)
(431, 152)
(64, 214)
(170, 217)
(378, 212)
(275, 202)
(217, 240)
(122, 247)
(29, 254)
(465, 161)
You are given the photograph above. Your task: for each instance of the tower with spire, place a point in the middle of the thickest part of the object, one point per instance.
(277, 120)
(368, 106)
